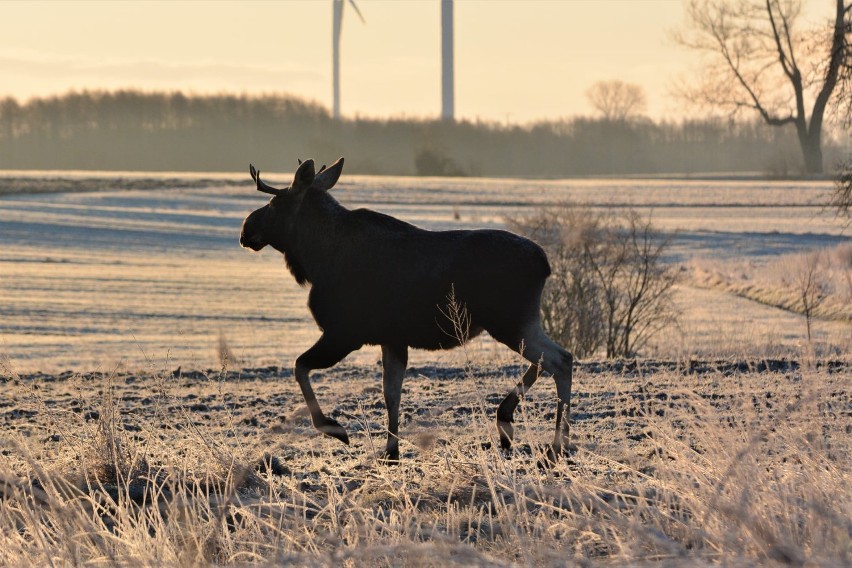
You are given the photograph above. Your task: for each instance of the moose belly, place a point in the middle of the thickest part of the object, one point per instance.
(434, 337)
(395, 319)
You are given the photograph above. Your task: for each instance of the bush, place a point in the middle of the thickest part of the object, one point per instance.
(571, 307)
(609, 286)
(431, 162)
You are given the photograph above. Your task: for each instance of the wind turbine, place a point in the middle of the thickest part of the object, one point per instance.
(337, 25)
(448, 88)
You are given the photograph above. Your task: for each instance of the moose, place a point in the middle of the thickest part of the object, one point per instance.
(377, 280)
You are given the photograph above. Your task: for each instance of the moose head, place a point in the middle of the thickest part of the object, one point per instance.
(273, 223)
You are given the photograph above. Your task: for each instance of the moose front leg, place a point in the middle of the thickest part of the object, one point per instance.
(394, 361)
(324, 353)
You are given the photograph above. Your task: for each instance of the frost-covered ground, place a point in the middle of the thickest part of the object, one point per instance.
(152, 276)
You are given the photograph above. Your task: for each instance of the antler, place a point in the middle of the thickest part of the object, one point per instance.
(261, 185)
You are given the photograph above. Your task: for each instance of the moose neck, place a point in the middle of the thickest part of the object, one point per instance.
(315, 237)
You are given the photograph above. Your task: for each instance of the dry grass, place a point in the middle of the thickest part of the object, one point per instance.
(689, 463)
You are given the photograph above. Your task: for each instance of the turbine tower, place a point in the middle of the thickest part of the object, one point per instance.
(337, 26)
(448, 88)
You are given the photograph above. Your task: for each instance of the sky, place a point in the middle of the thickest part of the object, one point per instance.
(516, 61)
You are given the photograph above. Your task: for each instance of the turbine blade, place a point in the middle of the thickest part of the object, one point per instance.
(357, 11)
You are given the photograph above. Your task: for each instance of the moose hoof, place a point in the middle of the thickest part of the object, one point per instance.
(332, 428)
(549, 459)
(389, 457)
(507, 433)
(554, 453)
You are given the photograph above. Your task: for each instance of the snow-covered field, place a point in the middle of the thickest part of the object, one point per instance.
(153, 276)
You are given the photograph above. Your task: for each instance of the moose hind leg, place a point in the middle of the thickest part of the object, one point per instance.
(394, 361)
(557, 361)
(324, 353)
(506, 410)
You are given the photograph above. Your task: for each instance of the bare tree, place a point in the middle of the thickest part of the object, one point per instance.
(760, 60)
(842, 102)
(617, 100)
(841, 198)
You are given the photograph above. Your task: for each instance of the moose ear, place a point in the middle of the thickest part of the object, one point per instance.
(304, 174)
(326, 178)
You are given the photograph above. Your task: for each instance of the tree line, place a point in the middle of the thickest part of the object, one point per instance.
(134, 130)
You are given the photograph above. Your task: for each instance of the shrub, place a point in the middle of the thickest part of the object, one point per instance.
(431, 162)
(571, 307)
(609, 287)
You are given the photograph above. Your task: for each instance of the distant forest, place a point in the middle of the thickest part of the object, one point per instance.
(133, 130)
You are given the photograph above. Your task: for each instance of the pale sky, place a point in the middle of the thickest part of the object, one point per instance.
(516, 61)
